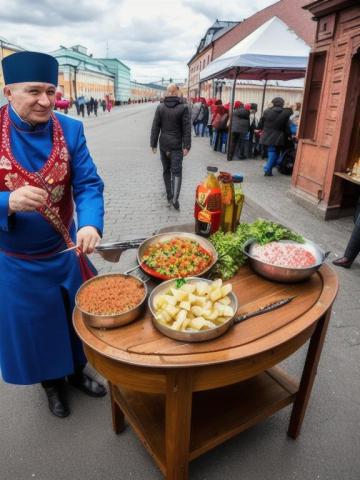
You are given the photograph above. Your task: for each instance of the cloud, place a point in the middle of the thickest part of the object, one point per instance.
(156, 39)
(234, 10)
(49, 13)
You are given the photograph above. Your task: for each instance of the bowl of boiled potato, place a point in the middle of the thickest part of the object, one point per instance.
(193, 309)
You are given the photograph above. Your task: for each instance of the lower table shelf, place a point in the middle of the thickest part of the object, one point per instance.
(217, 415)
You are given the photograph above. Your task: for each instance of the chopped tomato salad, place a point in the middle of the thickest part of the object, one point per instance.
(179, 257)
(283, 254)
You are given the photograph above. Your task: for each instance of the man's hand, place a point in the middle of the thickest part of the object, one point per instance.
(185, 151)
(27, 199)
(154, 150)
(87, 239)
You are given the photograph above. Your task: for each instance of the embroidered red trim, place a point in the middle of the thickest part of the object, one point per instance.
(54, 176)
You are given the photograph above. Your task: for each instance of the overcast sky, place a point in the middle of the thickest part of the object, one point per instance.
(156, 38)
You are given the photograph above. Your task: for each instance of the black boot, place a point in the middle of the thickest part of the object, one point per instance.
(353, 247)
(87, 385)
(55, 392)
(343, 262)
(168, 187)
(176, 184)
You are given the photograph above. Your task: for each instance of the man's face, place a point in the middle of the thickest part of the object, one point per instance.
(32, 101)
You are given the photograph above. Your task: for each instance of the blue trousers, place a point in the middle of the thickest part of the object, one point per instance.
(273, 158)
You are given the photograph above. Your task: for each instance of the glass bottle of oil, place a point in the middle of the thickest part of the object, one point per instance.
(227, 201)
(239, 199)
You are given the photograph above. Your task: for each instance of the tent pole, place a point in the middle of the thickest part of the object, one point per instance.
(263, 98)
(228, 143)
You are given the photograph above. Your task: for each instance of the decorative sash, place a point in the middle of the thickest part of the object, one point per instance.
(54, 177)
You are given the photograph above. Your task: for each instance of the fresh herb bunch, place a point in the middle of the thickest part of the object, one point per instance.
(230, 256)
(265, 232)
(229, 246)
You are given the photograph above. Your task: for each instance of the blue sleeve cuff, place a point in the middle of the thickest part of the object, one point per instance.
(4, 211)
(91, 219)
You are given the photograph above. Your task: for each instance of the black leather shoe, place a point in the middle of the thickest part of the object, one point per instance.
(57, 403)
(343, 262)
(87, 385)
(268, 174)
(176, 205)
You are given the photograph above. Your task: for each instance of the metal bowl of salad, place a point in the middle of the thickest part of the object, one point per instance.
(176, 255)
(285, 261)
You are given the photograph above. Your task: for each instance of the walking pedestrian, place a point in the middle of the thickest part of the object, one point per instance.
(203, 119)
(210, 105)
(197, 115)
(239, 130)
(353, 247)
(45, 168)
(275, 131)
(88, 105)
(172, 123)
(81, 103)
(219, 124)
(96, 104)
(253, 144)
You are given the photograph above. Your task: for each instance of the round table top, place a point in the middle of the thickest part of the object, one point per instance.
(140, 344)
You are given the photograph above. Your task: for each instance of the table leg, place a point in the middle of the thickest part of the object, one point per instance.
(178, 424)
(117, 414)
(308, 375)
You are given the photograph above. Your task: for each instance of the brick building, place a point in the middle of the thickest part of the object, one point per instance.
(204, 54)
(329, 131)
(289, 11)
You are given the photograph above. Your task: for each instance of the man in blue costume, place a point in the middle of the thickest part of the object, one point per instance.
(45, 168)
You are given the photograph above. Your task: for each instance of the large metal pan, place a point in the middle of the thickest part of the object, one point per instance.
(193, 336)
(163, 237)
(115, 320)
(284, 274)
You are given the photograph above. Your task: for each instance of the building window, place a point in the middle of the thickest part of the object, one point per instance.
(317, 64)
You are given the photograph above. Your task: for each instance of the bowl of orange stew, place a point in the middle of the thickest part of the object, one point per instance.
(111, 300)
(176, 255)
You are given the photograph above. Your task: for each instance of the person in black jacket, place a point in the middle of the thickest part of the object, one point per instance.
(239, 130)
(275, 132)
(172, 119)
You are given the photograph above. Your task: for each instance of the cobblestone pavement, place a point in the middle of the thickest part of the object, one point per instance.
(37, 445)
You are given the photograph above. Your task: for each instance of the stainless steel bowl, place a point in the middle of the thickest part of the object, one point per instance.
(284, 274)
(195, 336)
(116, 320)
(163, 237)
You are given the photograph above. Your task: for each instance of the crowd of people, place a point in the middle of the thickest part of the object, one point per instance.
(92, 105)
(273, 136)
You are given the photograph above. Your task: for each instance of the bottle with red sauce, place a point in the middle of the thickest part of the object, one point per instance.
(208, 205)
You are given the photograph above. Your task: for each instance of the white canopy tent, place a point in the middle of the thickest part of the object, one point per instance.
(271, 52)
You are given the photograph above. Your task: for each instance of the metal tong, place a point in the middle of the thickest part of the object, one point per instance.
(111, 251)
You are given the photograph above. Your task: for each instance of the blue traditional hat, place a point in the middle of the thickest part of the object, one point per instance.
(30, 67)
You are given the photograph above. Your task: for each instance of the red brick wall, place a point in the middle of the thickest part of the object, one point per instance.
(289, 11)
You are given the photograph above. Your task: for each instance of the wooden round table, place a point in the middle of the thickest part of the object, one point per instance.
(182, 399)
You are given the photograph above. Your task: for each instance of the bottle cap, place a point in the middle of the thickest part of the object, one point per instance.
(212, 169)
(225, 177)
(238, 177)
